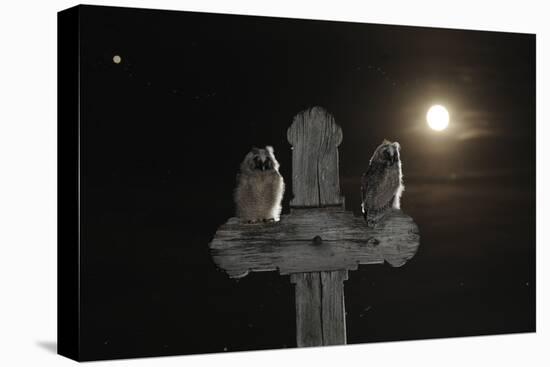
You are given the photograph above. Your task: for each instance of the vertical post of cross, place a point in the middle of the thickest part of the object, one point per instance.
(320, 310)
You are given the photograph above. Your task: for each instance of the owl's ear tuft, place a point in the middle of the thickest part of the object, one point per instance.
(397, 146)
(269, 148)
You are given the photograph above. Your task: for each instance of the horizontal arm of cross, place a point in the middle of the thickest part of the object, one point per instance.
(312, 240)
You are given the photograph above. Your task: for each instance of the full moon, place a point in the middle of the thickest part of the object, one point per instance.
(438, 118)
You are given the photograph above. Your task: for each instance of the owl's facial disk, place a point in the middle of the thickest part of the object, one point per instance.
(389, 154)
(262, 163)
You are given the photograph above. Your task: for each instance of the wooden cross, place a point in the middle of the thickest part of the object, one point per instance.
(318, 242)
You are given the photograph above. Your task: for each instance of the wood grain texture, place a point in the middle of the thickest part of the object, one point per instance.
(309, 331)
(320, 311)
(333, 313)
(289, 247)
(315, 138)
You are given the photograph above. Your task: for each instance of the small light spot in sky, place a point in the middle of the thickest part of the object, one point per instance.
(117, 59)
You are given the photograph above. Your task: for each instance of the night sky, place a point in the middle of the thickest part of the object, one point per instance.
(165, 128)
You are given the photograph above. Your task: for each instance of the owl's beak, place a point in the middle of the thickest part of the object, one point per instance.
(391, 157)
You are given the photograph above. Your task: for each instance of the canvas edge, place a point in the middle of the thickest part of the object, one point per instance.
(68, 184)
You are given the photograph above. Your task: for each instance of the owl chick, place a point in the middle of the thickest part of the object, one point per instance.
(382, 184)
(260, 187)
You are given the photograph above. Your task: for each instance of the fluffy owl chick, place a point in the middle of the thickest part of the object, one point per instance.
(382, 184)
(260, 187)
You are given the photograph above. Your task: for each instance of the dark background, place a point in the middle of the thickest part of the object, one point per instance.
(163, 133)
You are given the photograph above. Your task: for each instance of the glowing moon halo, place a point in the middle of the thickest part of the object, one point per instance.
(438, 118)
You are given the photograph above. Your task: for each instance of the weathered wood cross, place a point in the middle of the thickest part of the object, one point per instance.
(318, 242)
